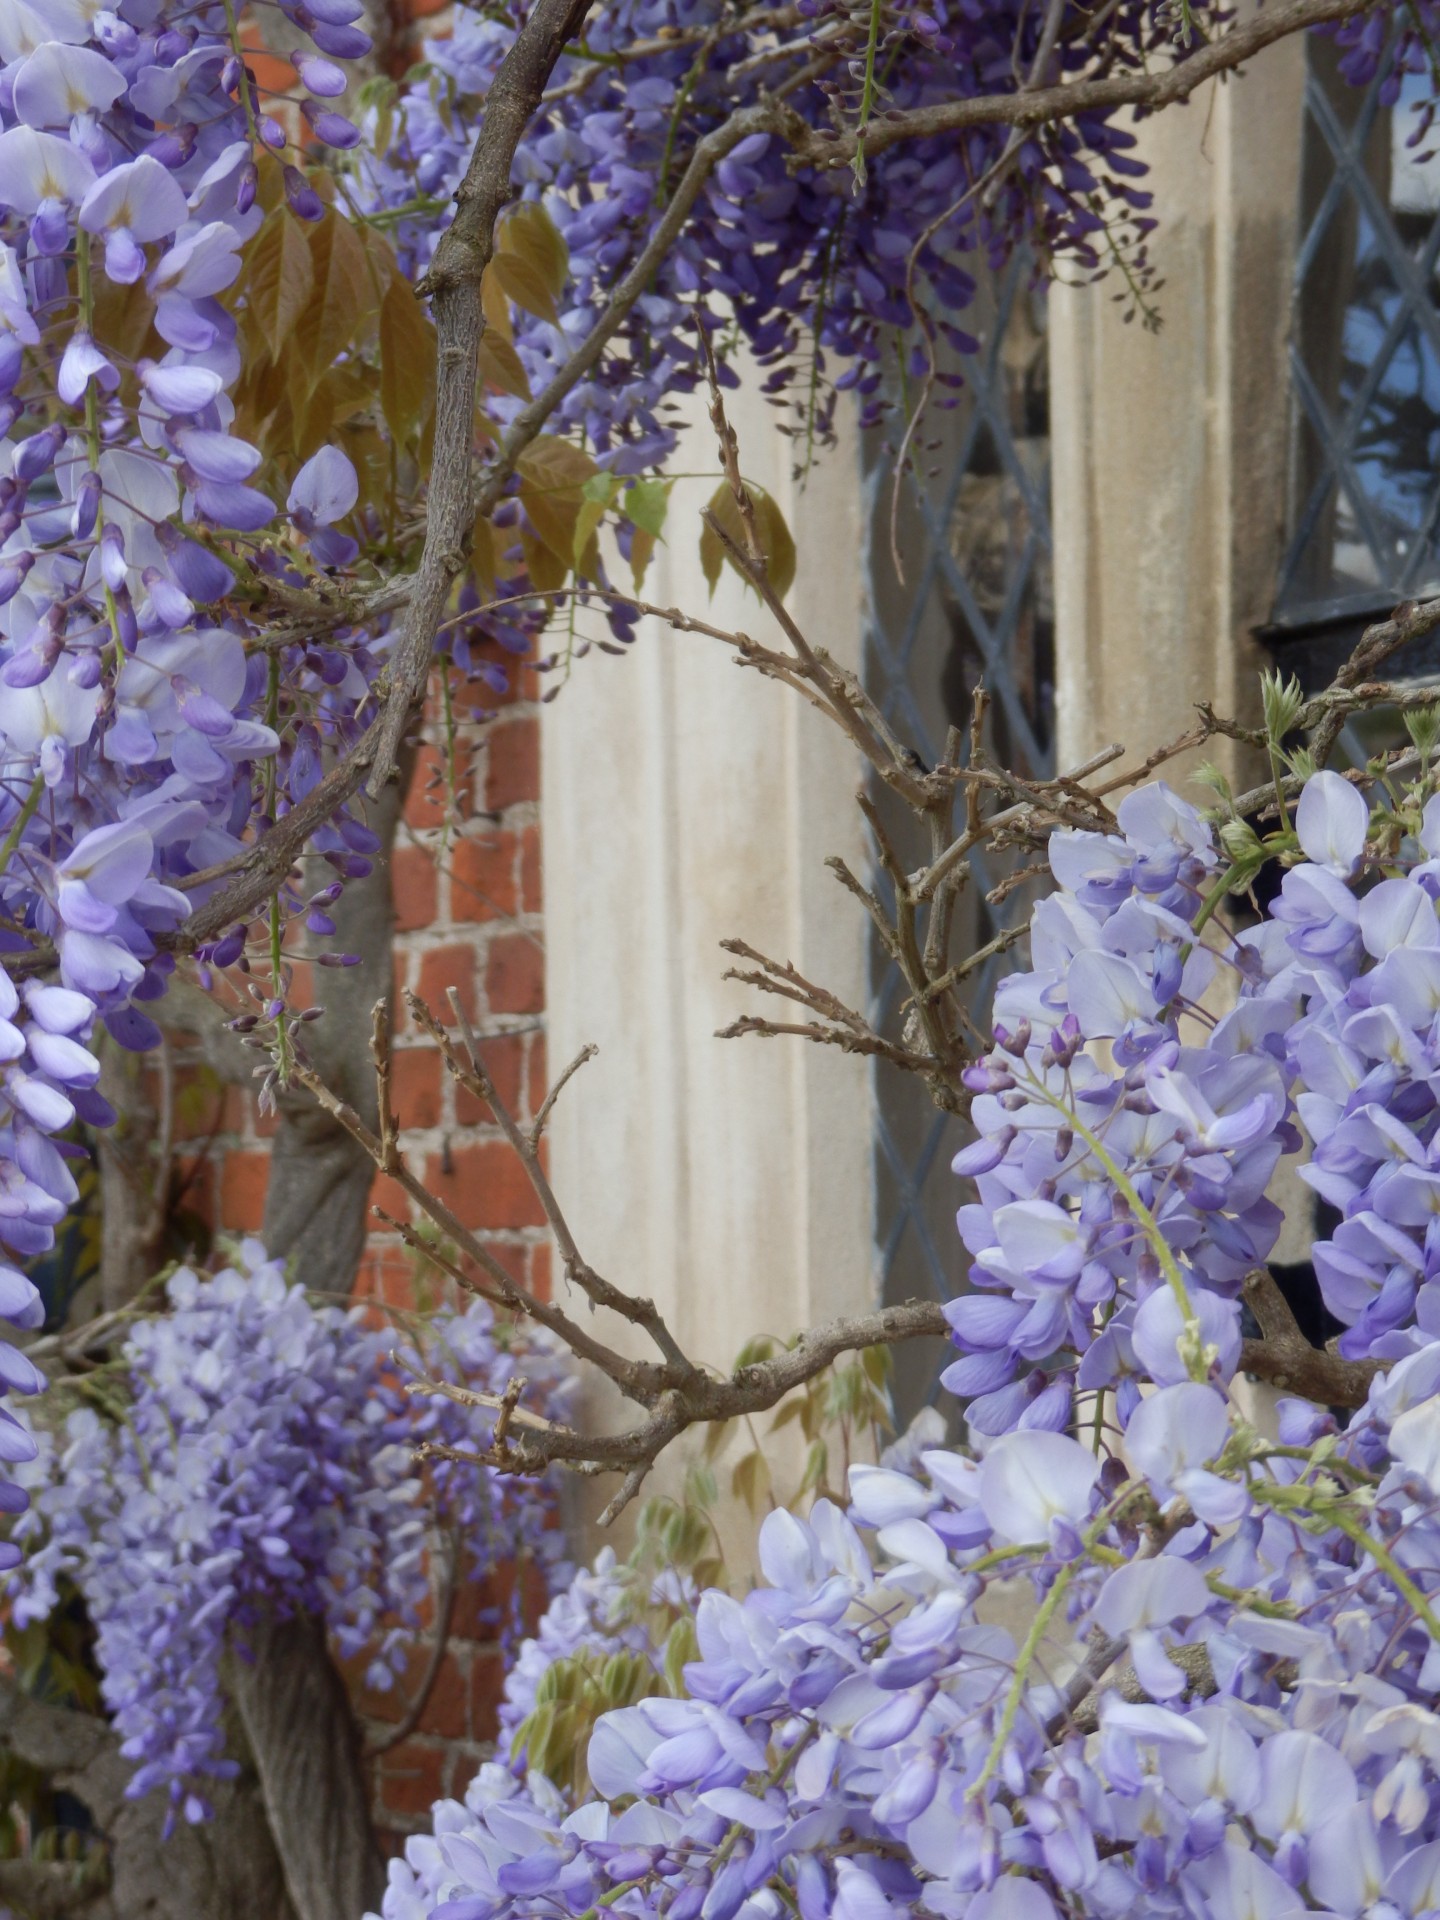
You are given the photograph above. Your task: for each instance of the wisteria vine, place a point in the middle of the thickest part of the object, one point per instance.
(248, 1456)
(1220, 1699)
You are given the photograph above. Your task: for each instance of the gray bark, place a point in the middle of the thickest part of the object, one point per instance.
(292, 1702)
(299, 1725)
(316, 1207)
(227, 1869)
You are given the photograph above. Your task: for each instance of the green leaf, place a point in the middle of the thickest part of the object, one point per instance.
(681, 1647)
(646, 505)
(278, 281)
(750, 1481)
(777, 547)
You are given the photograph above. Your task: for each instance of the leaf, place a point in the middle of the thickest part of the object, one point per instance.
(501, 367)
(494, 305)
(642, 546)
(525, 286)
(716, 1434)
(278, 279)
(646, 505)
(532, 236)
(790, 1410)
(681, 1647)
(750, 1481)
(345, 294)
(407, 359)
(597, 496)
(553, 474)
(776, 544)
(548, 571)
(758, 1349)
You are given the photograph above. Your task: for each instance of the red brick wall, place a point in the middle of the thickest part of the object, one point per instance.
(467, 891)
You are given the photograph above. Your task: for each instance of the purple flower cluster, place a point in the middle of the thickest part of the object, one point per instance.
(137, 734)
(1243, 1724)
(591, 1618)
(1125, 1128)
(259, 1462)
(818, 275)
(1124, 1115)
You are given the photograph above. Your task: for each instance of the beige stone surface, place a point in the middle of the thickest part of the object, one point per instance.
(686, 800)
(1170, 448)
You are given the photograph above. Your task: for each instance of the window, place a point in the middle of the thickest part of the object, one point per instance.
(1364, 506)
(971, 600)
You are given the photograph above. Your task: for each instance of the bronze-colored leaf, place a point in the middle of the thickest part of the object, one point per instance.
(407, 359)
(553, 474)
(501, 367)
(494, 305)
(531, 235)
(547, 568)
(776, 543)
(346, 293)
(277, 279)
(525, 285)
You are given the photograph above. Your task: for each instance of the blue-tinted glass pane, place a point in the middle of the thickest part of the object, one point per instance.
(1365, 355)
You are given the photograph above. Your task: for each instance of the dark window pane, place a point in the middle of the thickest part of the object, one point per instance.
(970, 601)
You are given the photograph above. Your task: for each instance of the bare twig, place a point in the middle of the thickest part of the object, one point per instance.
(547, 1105)
(1149, 91)
(444, 1622)
(472, 1075)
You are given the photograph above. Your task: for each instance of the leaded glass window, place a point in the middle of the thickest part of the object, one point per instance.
(1365, 356)
(970, 600)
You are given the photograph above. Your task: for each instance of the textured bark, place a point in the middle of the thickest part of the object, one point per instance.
(130, 1170)
(227, 1869)
(292, 1703)
(299, 1725)
(316, 1207)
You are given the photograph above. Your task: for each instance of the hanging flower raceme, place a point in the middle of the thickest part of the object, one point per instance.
(136, 737)
(1238, 1729)
(261, 1463)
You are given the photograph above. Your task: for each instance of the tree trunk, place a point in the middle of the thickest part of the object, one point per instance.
(298, 1723)
(293, 1704)
(227, 1869)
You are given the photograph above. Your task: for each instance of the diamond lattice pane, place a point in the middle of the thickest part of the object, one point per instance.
(1365, 355)
(960, 595)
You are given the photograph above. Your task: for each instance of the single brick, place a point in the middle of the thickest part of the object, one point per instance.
(482, 876)
(243, 1183)
(515, 974)
(503, 1057)
(440, 969)
(412, 1776)
(415, 888)
(487, 1683)
(512, 763)
(485, 1187)
(530, 876)
(415, 1086)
